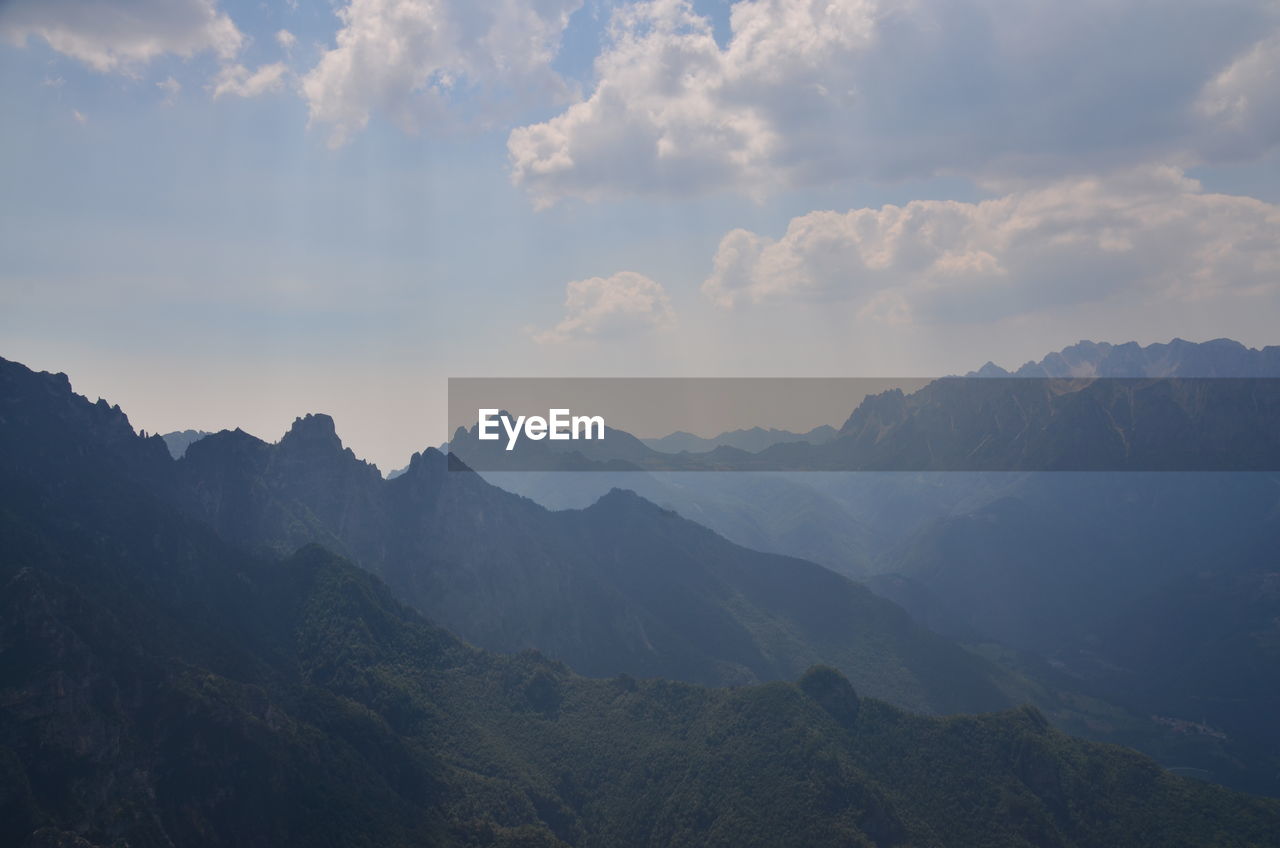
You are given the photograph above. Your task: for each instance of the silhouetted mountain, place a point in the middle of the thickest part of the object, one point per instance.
(179, 440)
(1178, 358)
(617, 451)
(970, 424)
(1104, 574)
(770, 512)
(750, 440)
(160, 686)
(1037, 424)
(622, 586)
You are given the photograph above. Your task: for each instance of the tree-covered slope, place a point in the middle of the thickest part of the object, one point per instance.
(1156, 591)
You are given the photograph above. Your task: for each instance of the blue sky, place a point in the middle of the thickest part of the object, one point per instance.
(216, 224)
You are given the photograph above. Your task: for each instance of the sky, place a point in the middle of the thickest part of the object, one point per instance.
(223, 213)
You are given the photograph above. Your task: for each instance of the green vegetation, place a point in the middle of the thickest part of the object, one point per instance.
(296, 703)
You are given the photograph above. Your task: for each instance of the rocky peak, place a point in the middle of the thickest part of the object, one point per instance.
(312, 433)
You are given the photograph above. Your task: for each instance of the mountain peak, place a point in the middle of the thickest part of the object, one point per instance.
(315, 430)
(625, 499)
(315, 422)
(991, 370)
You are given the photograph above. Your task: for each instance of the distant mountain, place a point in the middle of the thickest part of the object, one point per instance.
(847, 522)
(1037, 424)
(966, 424)
(1154, 590)
(750, 440)
(179, 440)
(775, 513)
(161, 686)
(1178, 358)
(622, 586)
(618, 450)
(309, 488)
(1104, 574)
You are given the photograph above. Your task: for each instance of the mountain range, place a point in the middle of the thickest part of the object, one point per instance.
(1177, 358)
(166, 680)
(178, 441)
(1153, 590)
(751, 440)
(622, 586)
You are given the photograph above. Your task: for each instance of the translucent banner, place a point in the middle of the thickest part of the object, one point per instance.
(874, 424)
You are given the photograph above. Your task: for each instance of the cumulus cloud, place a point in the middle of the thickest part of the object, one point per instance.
(614, 306)
(286, 39)
(804, 93)
(408, 59)
(1152, 231)
(240, 81)
(122, 36)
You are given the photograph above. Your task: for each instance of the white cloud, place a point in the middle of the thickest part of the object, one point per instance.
(171, 88)
(286, 39)
(1151, 232)
(806, 92)
(79, 117)
(122, 36)
(614, 306)
(241, 82)
(1243, 102)
(408, 59)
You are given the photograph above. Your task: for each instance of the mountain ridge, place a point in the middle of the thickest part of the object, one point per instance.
(408, 531)
(161, 686)
(1220, 357)
(623, 587)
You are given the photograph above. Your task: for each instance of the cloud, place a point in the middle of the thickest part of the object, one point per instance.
(171, 88)
(122, 36)
(1151, 231)
(286, 39)
(409, 59)
(1243, 102)
(79, 117)
(804, 93)
(615, 306)
(241, 82)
